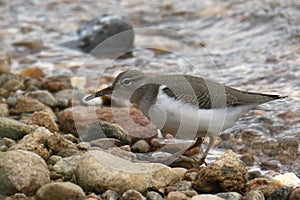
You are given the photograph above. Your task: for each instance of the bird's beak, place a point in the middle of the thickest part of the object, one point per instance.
(100, 93)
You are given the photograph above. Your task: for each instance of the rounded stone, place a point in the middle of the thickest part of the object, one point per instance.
(44, 96)
(176, 196)
(22, 171)
(60, 191)
(13, 129)
(141, 146)
(153, 196)
(254, 195)
(98, 171)
(206, 197)
(230, 195)
(295, 195)
(132, 194)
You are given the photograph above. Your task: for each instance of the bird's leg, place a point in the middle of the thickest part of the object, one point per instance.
(212, 140)
(198, 142)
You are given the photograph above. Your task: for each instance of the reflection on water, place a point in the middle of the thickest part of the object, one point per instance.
(251, 45)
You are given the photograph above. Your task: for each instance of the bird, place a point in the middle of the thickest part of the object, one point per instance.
(186, 106)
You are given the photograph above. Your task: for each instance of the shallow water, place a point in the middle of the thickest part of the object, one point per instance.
(251, 45)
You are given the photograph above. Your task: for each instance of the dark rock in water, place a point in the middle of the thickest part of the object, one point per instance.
(280, 194)
(103, 28)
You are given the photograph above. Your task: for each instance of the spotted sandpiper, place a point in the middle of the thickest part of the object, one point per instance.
(185, 106)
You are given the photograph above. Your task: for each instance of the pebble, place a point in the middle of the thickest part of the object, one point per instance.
(33, 72)
(13, 129)
(151, 195)
(45, 119)
(295, 195)
(54, 159)
(227, 173)
(141, 146)
(176, 196)
(67, 96)
(230, 195)
(18, 196)
(27, 105)
(22, 171)
(206, 197)
(180, 171)
(64, 168)
(3, 110)
(183, 185)
(44, 96)
(280, 194)
(103, 129)
(13, 85)
(57, 83)
(254, 195)
(96, 170)
(5, 62)
(132, 195)
(288, 179)
(60, 191)
(57, 143)
(110, 195)
(34, 142)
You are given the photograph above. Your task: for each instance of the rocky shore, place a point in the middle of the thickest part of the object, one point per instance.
(52, 148)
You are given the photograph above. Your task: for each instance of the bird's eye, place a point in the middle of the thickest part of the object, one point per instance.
(126, 82)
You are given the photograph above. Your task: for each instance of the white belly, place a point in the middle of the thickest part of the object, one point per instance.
(184, 120)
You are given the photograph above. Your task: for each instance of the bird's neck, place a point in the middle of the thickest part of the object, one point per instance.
(145, 97)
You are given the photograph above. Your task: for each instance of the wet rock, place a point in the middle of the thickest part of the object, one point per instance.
(254, 195)
(248, 159)
(60, 191)
(98, 171)
(22, 171)
(57, 83)
(33, 72)
(83, 146)
(280, 194)
(34, 45)
(27, 105)
(103, 129)
(230, 195)
(67, 97)
(176, 196)
(3, 110)
(264, 185)
(5, 62)
(13, 85)
(45, 119)
(58, 143)
(4, 93)
(141, 146)
(34, 142)
(13, 129)
(270, 165)
(153, 196)
(110, 195)
(295, 195)
(64, 168)
(44, 96)
(4, 78)
(78, 119)
(227, 173)
(105, 143)
(121, 153)
(132, 194)
(206, 197)
(104, 28)
(288, 179)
